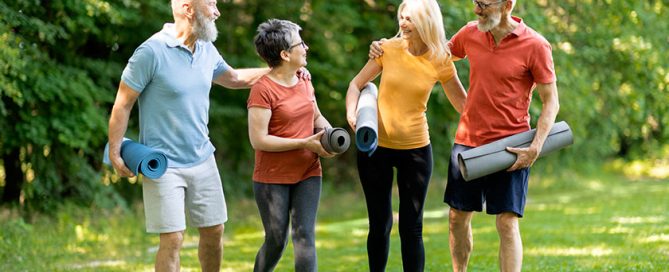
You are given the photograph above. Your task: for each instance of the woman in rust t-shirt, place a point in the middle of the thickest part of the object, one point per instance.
(287, 174)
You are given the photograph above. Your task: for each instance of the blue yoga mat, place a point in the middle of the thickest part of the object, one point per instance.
(140, 159)
(367, 124)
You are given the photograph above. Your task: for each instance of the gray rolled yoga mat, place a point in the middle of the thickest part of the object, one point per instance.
(493, 157)
(140, 159)
(335, 140)
(367, 124)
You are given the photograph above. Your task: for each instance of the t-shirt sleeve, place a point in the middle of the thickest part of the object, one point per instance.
(379, 60)
(541, 64)
(447, 71)
(456, 44)
(259, 97)
(140, 69)
(221, 66)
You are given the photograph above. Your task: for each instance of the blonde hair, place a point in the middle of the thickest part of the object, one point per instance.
(426, 16)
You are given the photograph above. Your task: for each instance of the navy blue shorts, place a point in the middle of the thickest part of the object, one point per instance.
(502, 191)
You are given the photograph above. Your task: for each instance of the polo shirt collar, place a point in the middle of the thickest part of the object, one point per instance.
(170, 34)
(520, 29)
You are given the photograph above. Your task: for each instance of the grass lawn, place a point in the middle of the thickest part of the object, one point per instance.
(590, 222)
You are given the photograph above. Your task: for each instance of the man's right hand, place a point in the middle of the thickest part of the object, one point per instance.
(119, 165)
(375, 50)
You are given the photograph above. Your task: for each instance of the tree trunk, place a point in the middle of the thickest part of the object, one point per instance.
(13, 177)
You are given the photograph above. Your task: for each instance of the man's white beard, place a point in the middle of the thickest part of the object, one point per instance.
(492, 22)
(204, 28)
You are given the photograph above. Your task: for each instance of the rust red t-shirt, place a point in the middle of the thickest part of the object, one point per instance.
(292, 117)
(501, 81)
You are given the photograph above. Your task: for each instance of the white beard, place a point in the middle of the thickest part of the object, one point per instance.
(492, 22)
(204, 28)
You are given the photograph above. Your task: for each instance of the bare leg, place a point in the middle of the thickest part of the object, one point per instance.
(167, 258)
(510, 243)
(210, 248)
(460, 238)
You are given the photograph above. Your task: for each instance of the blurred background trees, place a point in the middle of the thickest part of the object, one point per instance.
(61, 60)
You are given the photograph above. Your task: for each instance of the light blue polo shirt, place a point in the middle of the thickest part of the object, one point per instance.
(174, 87)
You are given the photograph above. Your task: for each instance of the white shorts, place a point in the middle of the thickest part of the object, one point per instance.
(196, 189)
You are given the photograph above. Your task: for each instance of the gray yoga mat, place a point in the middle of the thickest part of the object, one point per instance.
(335, 140)
(367, 123)
(140, 159)
(493, 157)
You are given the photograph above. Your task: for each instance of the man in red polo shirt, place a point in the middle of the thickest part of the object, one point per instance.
(508, 60)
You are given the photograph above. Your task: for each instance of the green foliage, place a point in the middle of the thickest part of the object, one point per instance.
(58, 76)
(61, 61)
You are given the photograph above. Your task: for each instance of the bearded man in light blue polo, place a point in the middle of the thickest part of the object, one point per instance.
(170, 75)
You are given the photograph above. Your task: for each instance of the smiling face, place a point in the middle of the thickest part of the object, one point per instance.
(297, 51)
(407, 26)
(491, 16)
(206, 14)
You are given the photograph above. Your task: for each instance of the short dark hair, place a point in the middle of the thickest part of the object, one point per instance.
(273, 37)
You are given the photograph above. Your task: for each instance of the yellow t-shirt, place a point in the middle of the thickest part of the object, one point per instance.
(406, 84)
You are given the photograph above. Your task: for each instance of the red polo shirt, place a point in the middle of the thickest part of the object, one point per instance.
(501, 81)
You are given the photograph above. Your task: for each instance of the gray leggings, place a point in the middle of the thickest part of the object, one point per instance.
(278, 205)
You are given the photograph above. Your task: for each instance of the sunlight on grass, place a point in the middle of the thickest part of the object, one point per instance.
(614, 230)
(569, 251)
(657, 169)
(655, 238)
(97, 264)
(638, 220)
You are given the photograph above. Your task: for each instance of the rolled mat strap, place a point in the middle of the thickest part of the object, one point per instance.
(335, 140)
(493, 157)
(140, 159)
(367, 124)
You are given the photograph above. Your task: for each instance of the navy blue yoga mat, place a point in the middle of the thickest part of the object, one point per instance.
(141, 159)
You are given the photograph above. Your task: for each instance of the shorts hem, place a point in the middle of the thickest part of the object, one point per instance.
(165, 230)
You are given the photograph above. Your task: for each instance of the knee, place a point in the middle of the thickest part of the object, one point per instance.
(276, 239)
(507, 224)
(171, 241)
(459, 219)
(211, 235)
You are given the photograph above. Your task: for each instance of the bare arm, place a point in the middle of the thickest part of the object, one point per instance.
(456, 93)
(368, 73)
(240, 78)
(319, 120)
(261, 140)
(550, 107)
(118, 124)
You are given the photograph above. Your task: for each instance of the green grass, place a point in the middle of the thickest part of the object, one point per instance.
(591, 222)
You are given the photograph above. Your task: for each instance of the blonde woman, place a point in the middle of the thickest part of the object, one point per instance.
(413, 62)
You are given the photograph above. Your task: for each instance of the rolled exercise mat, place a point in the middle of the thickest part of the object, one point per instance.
(493, 157)
(367, 124)
(140, 159)
(335, 140)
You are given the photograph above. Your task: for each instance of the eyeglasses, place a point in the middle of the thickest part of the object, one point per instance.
(484, 5)
(302, 43)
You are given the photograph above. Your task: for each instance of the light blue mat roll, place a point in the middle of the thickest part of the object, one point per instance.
(140, 159)
(367, 123)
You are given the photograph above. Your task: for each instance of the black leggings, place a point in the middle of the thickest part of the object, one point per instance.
(280, 204)
(414, 168)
